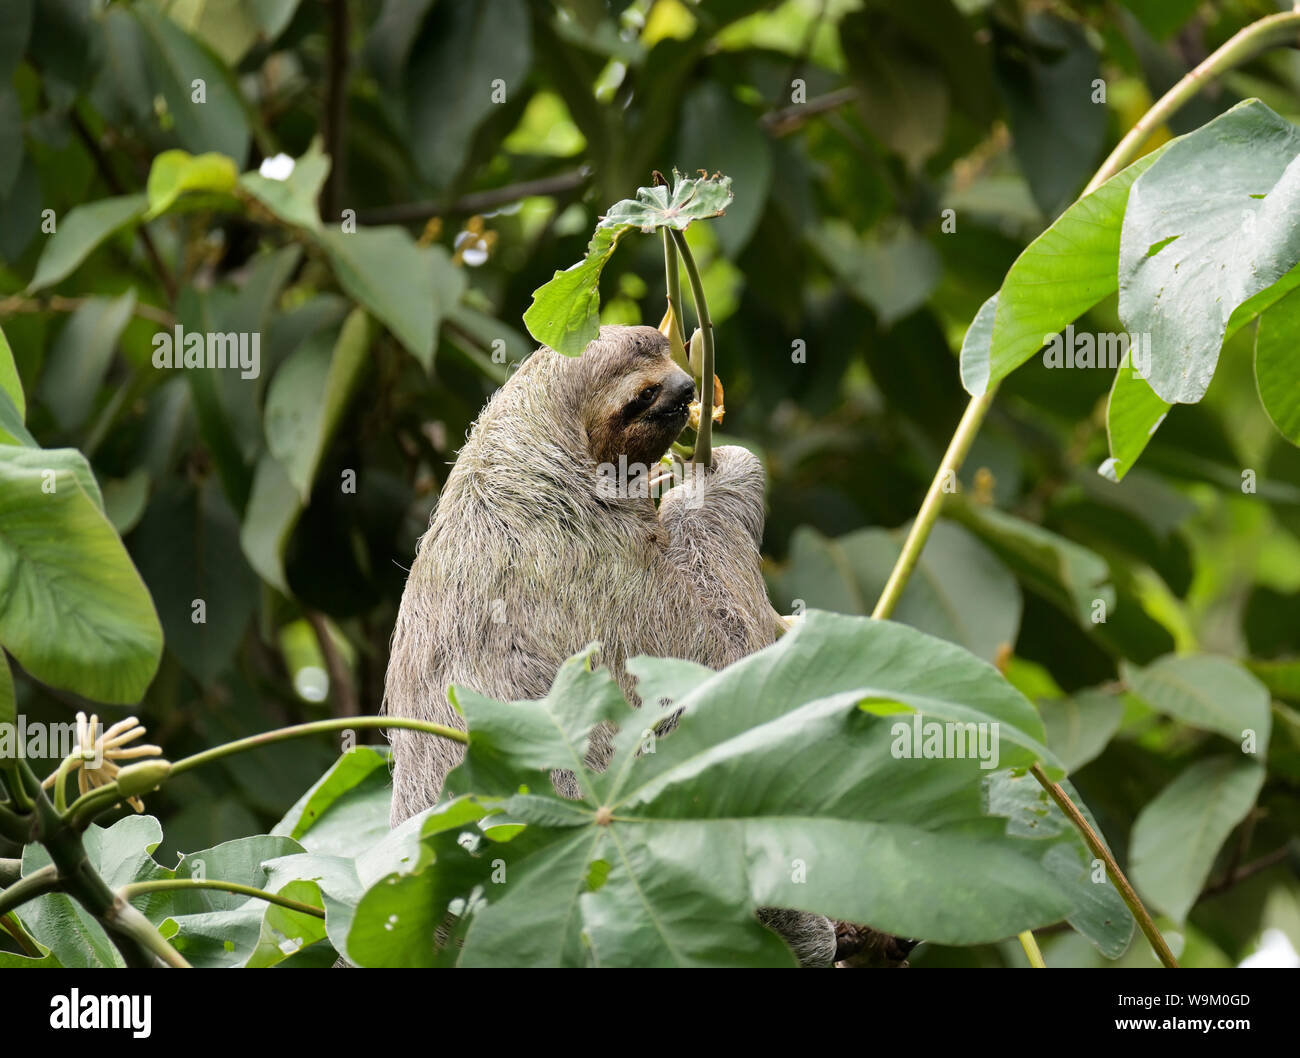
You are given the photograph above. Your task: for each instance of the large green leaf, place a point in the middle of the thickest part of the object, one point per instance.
(1059, 276)
(670, 849)
(273, 510)
(81, 356)
(1177, 835)
(73, 609)
(1133, 414)
(309, 394)
(1079, 727)
(1192, 251)
(1211, 693)
(120, 855)
(80, 232)
(406, 286)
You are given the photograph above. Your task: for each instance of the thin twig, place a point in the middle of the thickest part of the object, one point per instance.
(17, 304)
(476, 201)
(105, 168)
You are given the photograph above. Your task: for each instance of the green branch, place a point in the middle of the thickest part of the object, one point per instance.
(38, 883)
(704, 438)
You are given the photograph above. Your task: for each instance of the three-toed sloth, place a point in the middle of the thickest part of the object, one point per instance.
(531, 555)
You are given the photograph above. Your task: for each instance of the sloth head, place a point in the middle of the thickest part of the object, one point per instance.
(636, 399)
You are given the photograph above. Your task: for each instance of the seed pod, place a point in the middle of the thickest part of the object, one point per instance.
(696, 357)
(672, 330)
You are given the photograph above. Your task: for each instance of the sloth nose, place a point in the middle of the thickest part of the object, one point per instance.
(679, 389)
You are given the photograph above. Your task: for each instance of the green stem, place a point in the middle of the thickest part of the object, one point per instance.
(283, 734)
(1032, 953)
(11, 778)
(944, 481)
(1102, 853)
(1249, 42)
(130, 922)
(673, 284)
(61, 781)
(704, 438)
(134, 889)
(38, 883)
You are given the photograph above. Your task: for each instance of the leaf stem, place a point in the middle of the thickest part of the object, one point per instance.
(284, 734)
(134, 889)
(1102, 853)
(38, 883)
(704, 438)
(673, 283)
(1032, 953)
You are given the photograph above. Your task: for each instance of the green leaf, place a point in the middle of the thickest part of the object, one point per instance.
(1047, 77)
(73, 610)
(187, 550)
(232, 27)
(120, 855)
(346, 811)
(1100, 912)
(1133, 414)
(1176, 836)
(175, 172)
(10, 383)
(901, 94)
(1210, 693)
(451, 80)
(309, 394)
(1079, 727)
(217, 122)
(80, 232)
(273, 510)
(894, 273)
(1277, 365)
(294, 199)
(407, 287)
(959, 591)
(565, 313)
(1059, 276)
(80, 358)
(125, 499)
(719, 134)
(712, 821)
(1192, 252)
(1074, 578)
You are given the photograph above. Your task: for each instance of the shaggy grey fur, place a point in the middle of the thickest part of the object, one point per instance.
(526, 560)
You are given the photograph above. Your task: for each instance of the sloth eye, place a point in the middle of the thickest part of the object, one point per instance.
(643, 399)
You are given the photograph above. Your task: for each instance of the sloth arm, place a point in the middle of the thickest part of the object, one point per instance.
(714, 528)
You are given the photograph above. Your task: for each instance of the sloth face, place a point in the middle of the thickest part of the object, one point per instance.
(640, 398)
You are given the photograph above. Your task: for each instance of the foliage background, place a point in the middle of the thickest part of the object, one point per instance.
(229, 491)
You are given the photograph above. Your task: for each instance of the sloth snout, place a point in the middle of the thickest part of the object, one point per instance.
(679, 389)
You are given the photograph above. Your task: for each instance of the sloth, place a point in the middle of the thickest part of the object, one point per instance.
(530, 557)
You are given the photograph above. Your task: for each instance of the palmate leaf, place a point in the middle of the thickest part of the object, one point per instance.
(778, 787)
(565, 313)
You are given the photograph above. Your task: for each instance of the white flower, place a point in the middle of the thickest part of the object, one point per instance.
(277, 167)
(99, 750)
